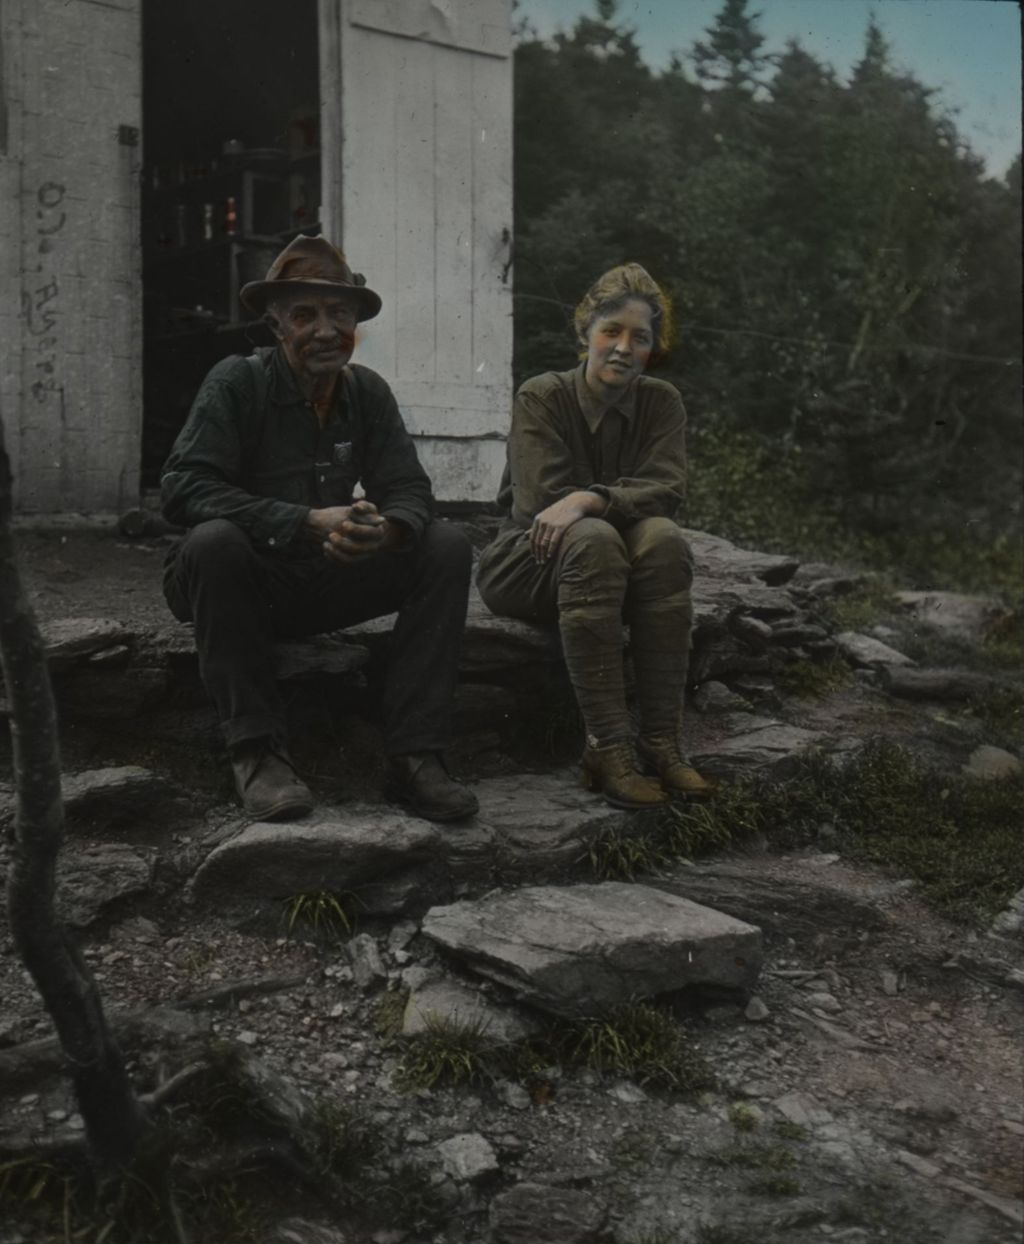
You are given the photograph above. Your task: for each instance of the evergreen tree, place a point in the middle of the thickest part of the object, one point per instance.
(731, 57)
(842, 270)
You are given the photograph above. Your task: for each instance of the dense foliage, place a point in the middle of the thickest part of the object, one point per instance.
(845, 276)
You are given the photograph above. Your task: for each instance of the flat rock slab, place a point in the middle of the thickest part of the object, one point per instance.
(1010, 921)
(302, 1231)
(533, 1213)
(719, 558)
(754, 744)
(341, 852)
(320, 654)
(950, 685)
(867, 652)
(959, 616)
(334, 653)
(992, 763)
(716, 601)
(89, 880)
(67, 639)
(716, 697)
(582, 950)
(118, 795)
(541, 820)
(489, 643)
(449, 1002)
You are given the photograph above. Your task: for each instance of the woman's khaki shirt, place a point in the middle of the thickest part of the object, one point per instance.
(632, 453)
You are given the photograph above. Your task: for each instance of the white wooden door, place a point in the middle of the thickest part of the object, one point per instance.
(417, 120)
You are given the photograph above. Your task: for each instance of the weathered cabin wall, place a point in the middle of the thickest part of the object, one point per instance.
(70, 265)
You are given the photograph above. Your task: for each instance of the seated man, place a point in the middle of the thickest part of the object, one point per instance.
(263, 475)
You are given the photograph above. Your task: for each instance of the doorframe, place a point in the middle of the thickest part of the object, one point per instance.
(330, 34)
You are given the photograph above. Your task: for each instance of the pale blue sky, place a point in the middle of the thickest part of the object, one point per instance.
(969, 49)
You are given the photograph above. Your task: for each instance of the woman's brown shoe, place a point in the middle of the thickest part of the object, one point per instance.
(660, 754)
(612, 771)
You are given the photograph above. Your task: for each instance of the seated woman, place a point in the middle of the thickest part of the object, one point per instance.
(595, 475)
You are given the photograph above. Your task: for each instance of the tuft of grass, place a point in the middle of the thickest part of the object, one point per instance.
(654, 1235)
(414, 1202)
(342, 1141)
(867, 604)
(326, 916)
(754, 1157)
(692, 830)
(655, 841)
(60, 1200)
(742, 1117)
(878, 1207)
(1003, 646)
(1000, 716)
(47, 1193)
(812, 680)
(633, 1150)
(451, 1052)
(228, 1212)
(957, 836)
(622, 852)
(774, 1185)
(637, 1041)
(196, 960)
(789, 1130)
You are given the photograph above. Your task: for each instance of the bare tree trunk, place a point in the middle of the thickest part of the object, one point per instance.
(114, 1119)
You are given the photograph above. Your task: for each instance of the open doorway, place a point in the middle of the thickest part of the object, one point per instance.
(231, 135)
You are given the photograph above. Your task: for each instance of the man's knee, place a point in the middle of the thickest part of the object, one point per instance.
(215, 543)
(445, 549)
(657, 545)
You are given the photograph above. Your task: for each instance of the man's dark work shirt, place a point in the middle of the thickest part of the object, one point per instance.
(253, 451)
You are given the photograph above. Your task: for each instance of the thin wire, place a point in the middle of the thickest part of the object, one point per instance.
(812, 341)
(849, 345)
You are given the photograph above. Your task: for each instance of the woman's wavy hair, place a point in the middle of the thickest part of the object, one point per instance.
(615, 288)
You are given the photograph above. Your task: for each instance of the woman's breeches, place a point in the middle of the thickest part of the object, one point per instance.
(598, 578)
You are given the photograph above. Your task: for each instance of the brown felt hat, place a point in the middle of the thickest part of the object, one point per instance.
(312, 264)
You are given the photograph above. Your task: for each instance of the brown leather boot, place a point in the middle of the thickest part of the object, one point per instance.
(660, 754)
(612, 771)
(267, 783)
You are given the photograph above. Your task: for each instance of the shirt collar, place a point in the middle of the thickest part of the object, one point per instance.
(284, 388)
(593, 411)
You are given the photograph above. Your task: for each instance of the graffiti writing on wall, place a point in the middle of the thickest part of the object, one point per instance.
(40, 294)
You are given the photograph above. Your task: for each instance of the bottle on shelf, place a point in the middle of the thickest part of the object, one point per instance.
(230, 216)
(207, 222)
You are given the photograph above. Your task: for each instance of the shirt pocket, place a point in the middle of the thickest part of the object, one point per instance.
(334, 484)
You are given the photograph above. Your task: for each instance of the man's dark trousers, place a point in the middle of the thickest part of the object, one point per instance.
(242, 600)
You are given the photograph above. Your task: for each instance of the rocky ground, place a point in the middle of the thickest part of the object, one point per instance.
(842, 1063)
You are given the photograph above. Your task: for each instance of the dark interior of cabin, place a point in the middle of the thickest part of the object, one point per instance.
(231, 133)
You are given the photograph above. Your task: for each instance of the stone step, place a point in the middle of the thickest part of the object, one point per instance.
(731, 583)
(583, 950)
